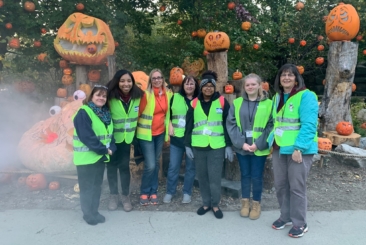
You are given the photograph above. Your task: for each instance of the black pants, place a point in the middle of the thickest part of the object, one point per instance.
(90, 179)
(120, 160)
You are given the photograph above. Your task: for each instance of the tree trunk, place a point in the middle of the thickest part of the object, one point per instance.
(218, 62)
(111, 66)
(81, 75)
(335, 106)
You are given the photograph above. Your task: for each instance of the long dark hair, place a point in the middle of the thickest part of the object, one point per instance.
(97, 88)
(292, 69)
(113, 86)
(186, 80)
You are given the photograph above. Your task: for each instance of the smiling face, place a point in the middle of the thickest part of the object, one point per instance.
(251, 87)
(189, 87)
(208, 90)
(157, 80)
(125, 84)
(287, 80)
(99, 98)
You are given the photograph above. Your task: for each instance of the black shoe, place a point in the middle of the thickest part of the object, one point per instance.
(99, 218)
(279, 224)
(298, 231)
(202, 210)
(90, 220)
(218, 214)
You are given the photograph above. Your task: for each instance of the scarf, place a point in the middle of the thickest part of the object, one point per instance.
(103, 113)
(123, 97)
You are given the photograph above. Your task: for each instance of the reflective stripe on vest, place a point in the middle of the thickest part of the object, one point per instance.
(82, 154)
(145, 120)
(179, 111)
(208, 131)
(124, 123)
(261, 118)
(287, 121)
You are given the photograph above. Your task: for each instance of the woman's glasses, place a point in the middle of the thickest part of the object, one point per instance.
(100, 86)
(156, 78)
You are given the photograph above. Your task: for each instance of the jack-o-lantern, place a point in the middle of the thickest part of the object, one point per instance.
(25, 87)
(217, 41)
(14, 43)
(246, 25)
(86, 88)
(344, 128)
(201, 33)
(363, 125)
(301, 69)
(343, 23)
(29, 6)
(61, 92)
(54, 185)
(176, 76)
(36, 182)
(265, 86)
(141, 79)
(194, 68)
(80, 31)
(67, 79)
(94, 75)
(354, 87)
(324, 144)
(319, 60)
(237, 75)
(67, 71)
(41, 57)
(63, 64)
(229, 89)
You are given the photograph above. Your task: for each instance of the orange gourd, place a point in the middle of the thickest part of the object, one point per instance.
(42, 57)
(54, 185)
(194, 34)
(344, 128)
(176, 76)
(201, 33)
(246, 25)
(319, 60)
(237, 47)
(37, 44)
(79, 7)
(237, 75)
(302, 43)
(179, 22)
(229, 89)
(8, 26)
(94, 76)
(256, 46)
(231, 5)
(61, 92)
(36, 182)
(324, 144)
(216, 41)
(320, 48)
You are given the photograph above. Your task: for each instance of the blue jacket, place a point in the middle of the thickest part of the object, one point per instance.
(309, 123)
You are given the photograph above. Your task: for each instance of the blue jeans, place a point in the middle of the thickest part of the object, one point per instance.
(251, 168)
(152, 152)
(176, 155)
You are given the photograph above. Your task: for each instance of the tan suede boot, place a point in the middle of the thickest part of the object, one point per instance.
(255, 212)
(113, 202)
(244, 212)
(126, 203)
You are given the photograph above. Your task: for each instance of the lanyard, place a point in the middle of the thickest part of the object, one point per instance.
(251, 115)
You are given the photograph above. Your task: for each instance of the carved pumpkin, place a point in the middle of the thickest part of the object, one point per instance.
(86, 88)
(41, 57)
(324, 144)
(61, 92)
(320, 48)
(246, 25)
(67, 79)
(237, 47)
(201, 33)
(29, 6)
(231, 5)
(229, 89)
(25, 87)
(194, 68)
(291, 40)
(344, 128)
(63, 64)
(80, 31)
(14, 43)
(37, 44)
(8, 26)
(353, 87)
(54, 185)
(176, 76)
(141, 79)
(265, 86)
(216, 41)
(301, 69)
(94, 76)
(319, 60)
(343, 23)
(79, 7)
(363, 125)
(302, 43)
(256, 46)
(67, 71)
(237, 75)
(36, 182)
(299, 6)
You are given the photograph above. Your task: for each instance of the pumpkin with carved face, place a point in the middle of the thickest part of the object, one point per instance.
(217, 41)
(343, 23)
(84, 40)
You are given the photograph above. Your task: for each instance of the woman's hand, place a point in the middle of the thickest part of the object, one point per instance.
(171, 129)
(253, 147)
(246, 147)
(110, 152)
(297, 156)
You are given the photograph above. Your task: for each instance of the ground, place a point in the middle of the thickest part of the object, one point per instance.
(332, 187)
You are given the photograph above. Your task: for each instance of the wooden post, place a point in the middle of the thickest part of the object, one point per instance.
(238, 85)
(81, 76)
(335, 106)
(111, 66)
(218, 62)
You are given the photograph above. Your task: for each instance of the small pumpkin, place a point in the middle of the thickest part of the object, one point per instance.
(179, 22)
(344, 128)
(176, 76)
(291, 40)
(231, 5)
(363, 125)
(194, 34)
(29, 6)
(61, 92)
(1, 3)
(237, 47)
(246, 25)
(256, 46)
(43, 30)
(54, 185)
(94, 76)
(237, 75)
(162, 8)
(216, 41)
(67, 79)
(201, 33)
(319, 60)
(359, 37)
(80, 7)
(229, 89)
(299, 6)
(36, 182)
(37, 44)
(354, 87)
(63, 64)
(301, 69)
(86, 88)
(324, 144)
(141, 79)
(265, 86)
(8, 26)
(116, 44)
(320, 47)
(14, 43)
(364, 52)
(42, 57)
(205, 52)
(67, 71)
(302, 43)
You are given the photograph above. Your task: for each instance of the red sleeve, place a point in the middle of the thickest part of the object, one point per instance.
(143, 103)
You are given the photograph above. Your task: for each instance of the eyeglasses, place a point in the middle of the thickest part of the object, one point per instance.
(208, 87)
(287, 75)
(156, 78)
(100, 86)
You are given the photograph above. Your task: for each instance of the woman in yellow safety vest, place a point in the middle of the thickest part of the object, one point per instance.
(294, 138)
(248, 124)
(179, 105)
(124, 99)
(152, 130)
(93, 144)
(206, 134)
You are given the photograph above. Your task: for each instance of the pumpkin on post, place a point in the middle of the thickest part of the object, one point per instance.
(216, 41)
(344, 128)
(237, 75)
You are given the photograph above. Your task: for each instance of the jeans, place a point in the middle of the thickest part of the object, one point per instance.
(176, 155)
(120, 161)
(152, 152)
(251, 168)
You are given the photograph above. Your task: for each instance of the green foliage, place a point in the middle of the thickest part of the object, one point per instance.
(355, 108)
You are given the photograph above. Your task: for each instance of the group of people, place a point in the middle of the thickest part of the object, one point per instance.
(203, 129)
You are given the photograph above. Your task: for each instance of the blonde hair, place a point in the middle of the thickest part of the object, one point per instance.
(149, 85)
(258, 79)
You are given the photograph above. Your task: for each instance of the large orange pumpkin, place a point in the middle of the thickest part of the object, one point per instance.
(342, 23)
(237, 75)
(36, 182)
(141, 79)
(324, 144)
(344, 128)
(176, 76)
(217, 41)
(94, 75)
(14, 43)
(79, 31)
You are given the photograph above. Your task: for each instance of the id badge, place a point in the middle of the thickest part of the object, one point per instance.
(182, 122)
(219, 110)
(249, 134)
(279, 132)
(127, 125)
(107, 145)
(136, 108)
(206, 131)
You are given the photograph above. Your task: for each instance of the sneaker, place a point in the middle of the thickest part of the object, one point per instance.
(113, 202)
(298, 231)
(167, 198)
(126, 203)
(279, 224)
(154, 199)
(186, 198)
(144, 200)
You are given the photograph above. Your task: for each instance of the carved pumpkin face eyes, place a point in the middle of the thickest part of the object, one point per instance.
(216, 41)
